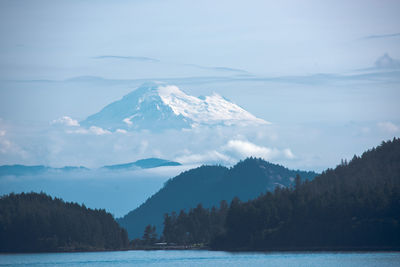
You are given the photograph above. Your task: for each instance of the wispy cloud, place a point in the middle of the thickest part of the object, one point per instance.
(9, 148)
(208, 157)
(65, 120)
(98, 131)
(381, 36)
(133, 58)
(233, 151)
(389, 127)
(92, 130)
(375, 74)
(221, 69)
(121, 131)
(244, 149)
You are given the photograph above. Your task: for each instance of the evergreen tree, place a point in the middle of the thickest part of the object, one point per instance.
(149, 235)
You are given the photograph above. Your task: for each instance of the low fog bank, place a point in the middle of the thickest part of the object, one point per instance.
(116, 191)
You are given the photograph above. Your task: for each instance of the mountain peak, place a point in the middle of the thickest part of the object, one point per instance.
(159, 106)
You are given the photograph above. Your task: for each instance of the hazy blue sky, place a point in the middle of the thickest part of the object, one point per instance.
(146, 39)
(309, 67)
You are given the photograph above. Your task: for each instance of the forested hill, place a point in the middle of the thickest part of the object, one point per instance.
(354, 206)
(38, 223)
(209, 185)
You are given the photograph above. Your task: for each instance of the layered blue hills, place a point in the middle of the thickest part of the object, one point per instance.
(24, 170)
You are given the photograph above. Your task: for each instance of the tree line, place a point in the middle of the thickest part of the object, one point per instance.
(353, 206)
(36, 222)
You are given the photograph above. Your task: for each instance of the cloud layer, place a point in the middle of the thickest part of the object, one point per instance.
(381, 36)
(66, 120)
(219, 69)
(8, 148)
(245, 149)
(389, 127)
(233, 151)
(141, 59)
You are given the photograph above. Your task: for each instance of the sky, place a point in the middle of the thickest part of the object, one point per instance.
(326, 74)
(147, 39)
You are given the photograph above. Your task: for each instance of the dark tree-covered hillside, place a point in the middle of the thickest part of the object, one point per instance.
(32, 222)
(354, 206)
(208, 186)
(184, 191)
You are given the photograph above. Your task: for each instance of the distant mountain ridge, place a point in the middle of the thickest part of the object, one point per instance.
(144, 164)
(209, 185)
(157, 106)
(20, 170)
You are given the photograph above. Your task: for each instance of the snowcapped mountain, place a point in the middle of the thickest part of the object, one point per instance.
(158, 106)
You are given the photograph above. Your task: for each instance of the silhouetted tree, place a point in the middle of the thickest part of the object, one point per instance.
(149, 235)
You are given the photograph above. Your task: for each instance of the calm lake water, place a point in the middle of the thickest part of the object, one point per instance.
(201, 258)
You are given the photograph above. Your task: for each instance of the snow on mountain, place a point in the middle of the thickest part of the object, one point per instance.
(158, 106)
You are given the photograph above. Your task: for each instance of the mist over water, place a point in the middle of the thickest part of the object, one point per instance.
(118, 192)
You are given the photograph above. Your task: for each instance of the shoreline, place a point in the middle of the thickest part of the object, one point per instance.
(276, 250)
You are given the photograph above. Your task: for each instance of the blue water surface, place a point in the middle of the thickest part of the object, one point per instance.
(203, 258)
